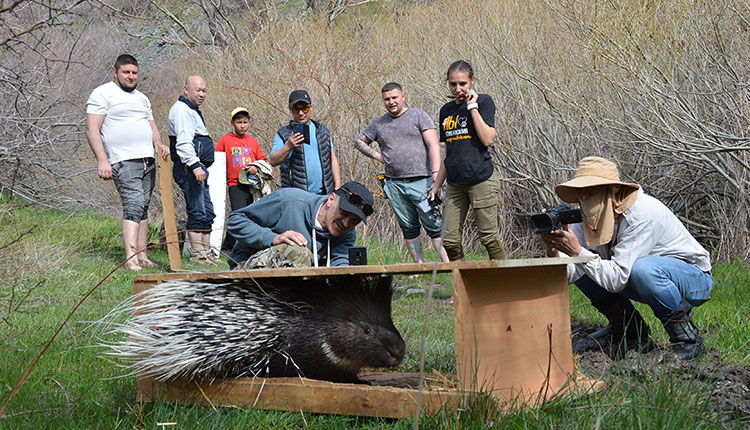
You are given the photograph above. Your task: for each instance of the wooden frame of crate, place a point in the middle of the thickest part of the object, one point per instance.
(512, 333)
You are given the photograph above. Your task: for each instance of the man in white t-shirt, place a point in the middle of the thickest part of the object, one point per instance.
(121, 131)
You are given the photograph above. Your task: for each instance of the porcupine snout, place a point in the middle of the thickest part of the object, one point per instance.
(393, 349)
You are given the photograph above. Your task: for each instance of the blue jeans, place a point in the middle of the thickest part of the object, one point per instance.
(200, 210)
(404, 195)
(660, 282)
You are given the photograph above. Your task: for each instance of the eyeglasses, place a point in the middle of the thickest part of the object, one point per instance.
(305, 109)
(358, 201)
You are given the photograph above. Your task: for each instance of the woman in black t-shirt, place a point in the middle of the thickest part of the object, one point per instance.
(467, 126)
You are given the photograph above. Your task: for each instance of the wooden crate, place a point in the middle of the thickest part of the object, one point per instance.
(512, 331)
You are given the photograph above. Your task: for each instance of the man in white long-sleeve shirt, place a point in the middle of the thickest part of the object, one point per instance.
(642, 252)
(192, 153)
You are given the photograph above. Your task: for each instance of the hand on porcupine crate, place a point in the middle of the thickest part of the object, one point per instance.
(314, 328)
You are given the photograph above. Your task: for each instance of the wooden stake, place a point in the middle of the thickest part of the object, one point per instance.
(167, 205)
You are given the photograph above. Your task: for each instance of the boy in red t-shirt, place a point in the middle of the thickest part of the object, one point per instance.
(241, 149)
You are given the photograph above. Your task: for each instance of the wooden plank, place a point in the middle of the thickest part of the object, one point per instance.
(298, 394)
(167, 205)
(513, 331)
(390, 269)
(144, 386)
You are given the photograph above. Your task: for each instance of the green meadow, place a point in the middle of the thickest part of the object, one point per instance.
(63, 260)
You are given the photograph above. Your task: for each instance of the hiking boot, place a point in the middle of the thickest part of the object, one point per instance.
(687, 343)
(626, 330)
(200, 256)
(212, 256)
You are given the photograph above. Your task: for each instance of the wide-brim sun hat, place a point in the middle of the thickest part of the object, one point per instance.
(591, 172)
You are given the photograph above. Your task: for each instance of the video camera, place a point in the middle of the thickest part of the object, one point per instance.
(555, 218)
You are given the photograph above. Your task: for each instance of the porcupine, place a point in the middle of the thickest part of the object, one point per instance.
(319, 329)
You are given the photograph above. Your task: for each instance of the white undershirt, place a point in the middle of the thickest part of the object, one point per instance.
(315, 240)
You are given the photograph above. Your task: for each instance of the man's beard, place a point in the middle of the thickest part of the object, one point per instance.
(125, 87)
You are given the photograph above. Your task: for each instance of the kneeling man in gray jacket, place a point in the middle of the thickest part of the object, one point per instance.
(323, 224)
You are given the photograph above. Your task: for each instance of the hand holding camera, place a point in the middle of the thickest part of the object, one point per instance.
(553, 225)
(555, 218)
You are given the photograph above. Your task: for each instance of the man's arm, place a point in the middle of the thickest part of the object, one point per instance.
(633, 242)
(438, 182)
(184, 128)
(162, 150)
(335, 170)
(430, 138)
(278, 156)
(362, 143)
(254, 225)
(249, 224)
(94, 138)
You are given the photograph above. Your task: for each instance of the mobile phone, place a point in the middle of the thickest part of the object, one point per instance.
(304, 130)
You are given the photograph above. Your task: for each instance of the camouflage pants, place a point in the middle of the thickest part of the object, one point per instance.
(277, 256)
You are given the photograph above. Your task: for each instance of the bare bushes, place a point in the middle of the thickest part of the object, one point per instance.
(660, 87)
(334, 66)
(52, 57)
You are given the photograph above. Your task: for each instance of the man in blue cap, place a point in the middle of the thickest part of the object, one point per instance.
(304, 149)
(290, 220)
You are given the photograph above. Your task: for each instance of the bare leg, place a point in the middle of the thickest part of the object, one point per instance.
(437, 243)
(415, 249)
(130, 238)
(143, 244)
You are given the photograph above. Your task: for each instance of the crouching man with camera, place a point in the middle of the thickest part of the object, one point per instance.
(643, 253)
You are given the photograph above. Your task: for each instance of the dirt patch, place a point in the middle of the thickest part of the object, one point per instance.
(729, 384)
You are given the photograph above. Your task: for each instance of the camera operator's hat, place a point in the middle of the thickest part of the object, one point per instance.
(591, 172)
(297, 96)
(355, 198)
(238, 110)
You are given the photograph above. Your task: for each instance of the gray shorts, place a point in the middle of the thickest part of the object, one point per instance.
(134, 180)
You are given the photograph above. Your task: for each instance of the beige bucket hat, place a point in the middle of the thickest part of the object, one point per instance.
(591, 172)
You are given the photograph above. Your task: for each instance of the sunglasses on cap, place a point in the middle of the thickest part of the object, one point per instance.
(305, 109)
(358, 201)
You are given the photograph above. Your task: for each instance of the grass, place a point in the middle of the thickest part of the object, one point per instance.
(73, 386)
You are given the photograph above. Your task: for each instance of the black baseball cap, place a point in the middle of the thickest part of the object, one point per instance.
(299, 96)
(355, 198)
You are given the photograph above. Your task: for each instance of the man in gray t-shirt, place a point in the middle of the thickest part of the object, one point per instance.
(410, 150)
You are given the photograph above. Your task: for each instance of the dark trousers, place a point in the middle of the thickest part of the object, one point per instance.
(200, 210)
(239, 197)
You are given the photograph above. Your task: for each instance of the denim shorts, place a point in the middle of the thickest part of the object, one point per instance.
(134, 180)
(404, 195)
